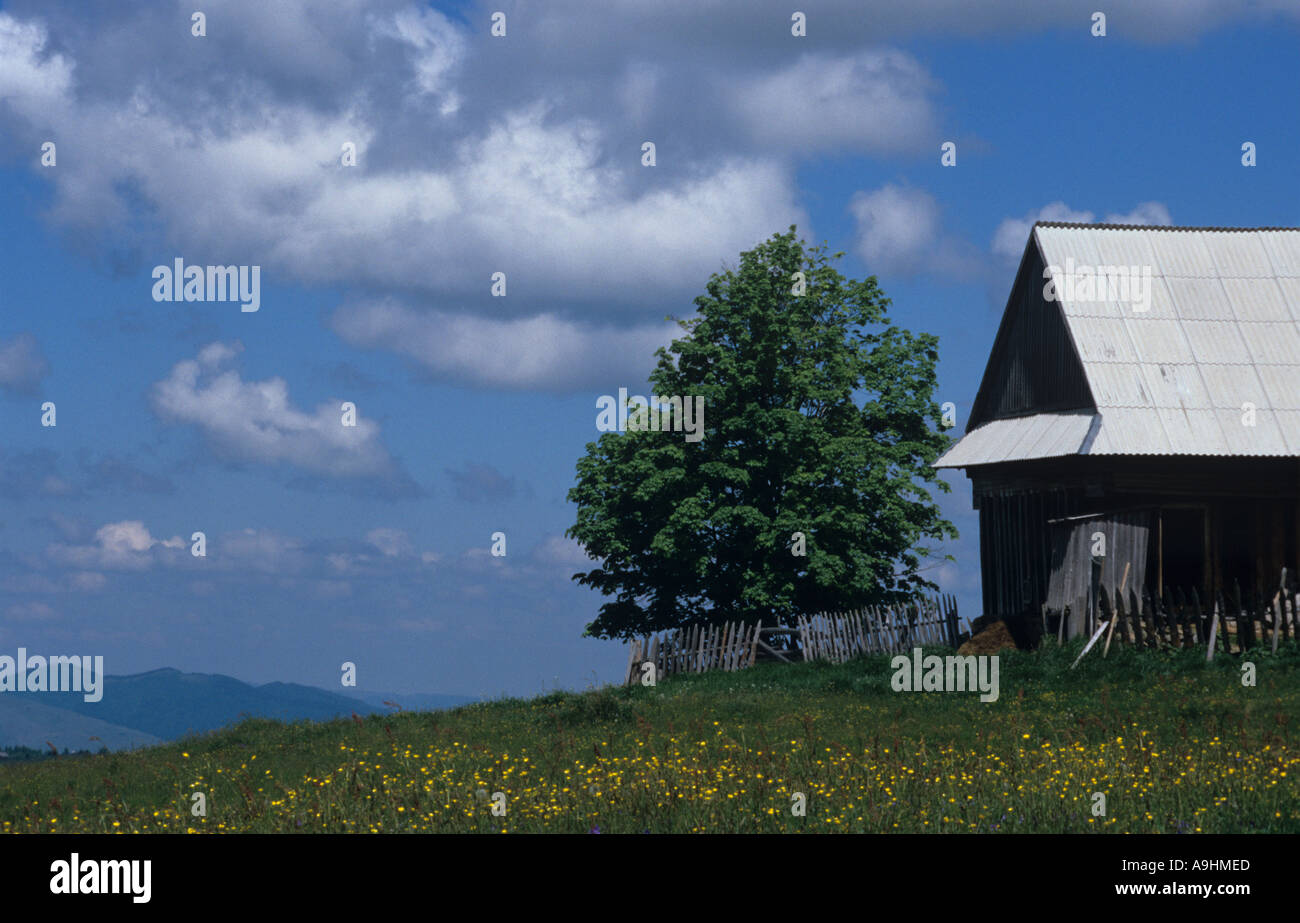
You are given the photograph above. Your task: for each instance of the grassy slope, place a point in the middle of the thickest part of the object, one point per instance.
(1175, 745)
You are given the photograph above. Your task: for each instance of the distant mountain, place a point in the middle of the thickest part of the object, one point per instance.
(416, 701)
(27, 722)
(168, 704)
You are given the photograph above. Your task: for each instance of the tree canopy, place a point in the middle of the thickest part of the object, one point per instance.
(819, 419)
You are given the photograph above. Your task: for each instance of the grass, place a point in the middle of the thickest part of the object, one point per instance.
(1174, 744)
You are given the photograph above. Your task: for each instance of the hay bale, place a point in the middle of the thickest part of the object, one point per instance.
(997, 637)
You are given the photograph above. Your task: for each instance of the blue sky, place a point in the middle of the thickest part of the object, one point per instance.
(518, 154)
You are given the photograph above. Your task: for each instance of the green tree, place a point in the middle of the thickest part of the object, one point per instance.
(819, 418)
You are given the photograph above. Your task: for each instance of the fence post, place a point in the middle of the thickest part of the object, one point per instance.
(1114, 620)
(634, 648)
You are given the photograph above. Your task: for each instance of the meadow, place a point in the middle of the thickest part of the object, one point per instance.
(1175, 745)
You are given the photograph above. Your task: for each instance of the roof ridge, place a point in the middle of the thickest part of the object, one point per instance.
(1153, 227)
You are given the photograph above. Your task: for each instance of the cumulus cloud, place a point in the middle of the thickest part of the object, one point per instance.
(562, 551)
(479, 156)
(897, 227)
(434, 47)
(526, 187)
(29, 77)
(1009, 239)
(125, 545)
(1148, 213)
(256, 421)
(900, 232)
(531, 179)
(741, 30)
(22, 366)
(543, 352)
(872, 101)
(1012, 233)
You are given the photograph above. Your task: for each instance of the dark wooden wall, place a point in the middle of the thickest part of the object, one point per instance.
(1032, 367)
(1251, 512)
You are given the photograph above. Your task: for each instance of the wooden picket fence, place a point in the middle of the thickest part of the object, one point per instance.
(1229, 622)
(879, 630)
(694, 649)
(825, 636)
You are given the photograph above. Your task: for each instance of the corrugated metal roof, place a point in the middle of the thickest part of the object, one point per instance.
(1220, 329)
(1042, 435)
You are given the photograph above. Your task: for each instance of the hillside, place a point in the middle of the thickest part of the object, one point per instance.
(166, 704)
(1176, 745)
(27, 721)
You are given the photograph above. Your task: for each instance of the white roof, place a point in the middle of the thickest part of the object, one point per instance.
(1042, 435)
(1221, 332)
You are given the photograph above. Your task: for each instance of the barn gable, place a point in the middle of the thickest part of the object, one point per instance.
(1218, 336)
(1033, 367)
(1154, 398)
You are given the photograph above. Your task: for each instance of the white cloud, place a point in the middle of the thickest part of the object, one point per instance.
(528, 181)
(1010, 237)
(125, 545)
(474, 161)
(559, 550)
(897, 228)
(638, 89)
(437, 49)
(29, 79)
(538, 193)
(256, 421)
(1148, 213)
(876, 101)
(727, 29)
(537, 352)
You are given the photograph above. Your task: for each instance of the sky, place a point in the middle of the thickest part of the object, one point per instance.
(521, 154)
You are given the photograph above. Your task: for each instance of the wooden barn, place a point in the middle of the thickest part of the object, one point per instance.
(1144, 387)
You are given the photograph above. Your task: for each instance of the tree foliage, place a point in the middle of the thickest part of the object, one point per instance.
(819, 418)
